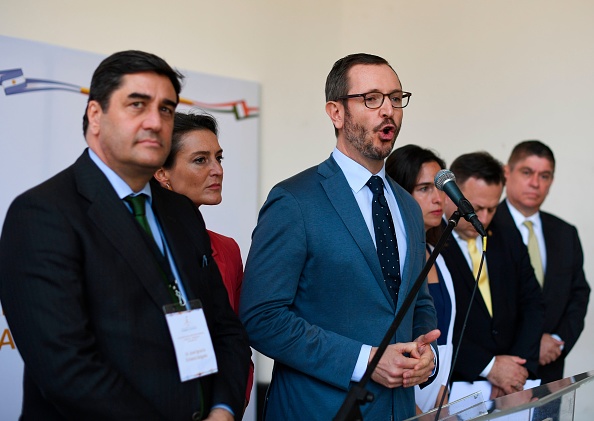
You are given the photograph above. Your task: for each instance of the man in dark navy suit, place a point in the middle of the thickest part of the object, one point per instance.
(500, 343)
(84, 285)
(559, 262)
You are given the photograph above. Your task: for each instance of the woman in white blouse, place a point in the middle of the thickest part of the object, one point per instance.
(414, 168)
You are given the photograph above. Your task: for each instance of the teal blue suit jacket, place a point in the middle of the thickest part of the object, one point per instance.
(313, 294)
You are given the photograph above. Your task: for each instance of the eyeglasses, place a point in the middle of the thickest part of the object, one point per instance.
(374, 100)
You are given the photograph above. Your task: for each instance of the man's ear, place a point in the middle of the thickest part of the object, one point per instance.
(335, 111)
(506, 171)
(94, 113)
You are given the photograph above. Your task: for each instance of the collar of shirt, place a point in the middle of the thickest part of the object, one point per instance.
(536, 226)
(122, 189)
(357, 176)
(463, 244)
(519, 218)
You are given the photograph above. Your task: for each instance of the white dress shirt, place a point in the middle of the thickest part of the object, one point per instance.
(357, 176)
(519, 220)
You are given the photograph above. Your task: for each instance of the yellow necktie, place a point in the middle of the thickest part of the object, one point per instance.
(534, 252)
(483, 282)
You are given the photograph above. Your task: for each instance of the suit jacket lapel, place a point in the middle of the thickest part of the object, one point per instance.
(498, 292)
(340, 195)
(112, 218)
(505, 221)
(552, 246)
(456, 257)
(186, 258)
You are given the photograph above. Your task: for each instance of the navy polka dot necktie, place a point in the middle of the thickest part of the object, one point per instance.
(385, 237)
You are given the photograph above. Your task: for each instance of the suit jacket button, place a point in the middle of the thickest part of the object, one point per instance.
(196, 416)
(494, 332)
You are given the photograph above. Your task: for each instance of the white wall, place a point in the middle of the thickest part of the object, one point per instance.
(484, 75)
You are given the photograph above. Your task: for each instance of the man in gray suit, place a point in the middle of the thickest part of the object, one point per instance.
(315, 297)
(90, 258)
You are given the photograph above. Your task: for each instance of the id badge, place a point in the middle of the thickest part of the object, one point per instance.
(191, 340)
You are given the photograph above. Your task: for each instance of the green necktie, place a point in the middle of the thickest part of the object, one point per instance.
(138, 208)
(534, 252)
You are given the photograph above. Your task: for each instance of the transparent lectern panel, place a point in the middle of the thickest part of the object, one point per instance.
(553, 401)
(464, 409)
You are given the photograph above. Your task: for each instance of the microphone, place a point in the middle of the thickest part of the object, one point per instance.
(445, 180)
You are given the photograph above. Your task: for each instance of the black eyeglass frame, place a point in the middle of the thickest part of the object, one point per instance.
(405, 94)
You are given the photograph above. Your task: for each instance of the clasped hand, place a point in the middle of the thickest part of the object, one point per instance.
(406, 364)
(219, 414)
(508, 375)
(550, 349)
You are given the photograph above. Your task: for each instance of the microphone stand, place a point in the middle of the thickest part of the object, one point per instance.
(358, 395)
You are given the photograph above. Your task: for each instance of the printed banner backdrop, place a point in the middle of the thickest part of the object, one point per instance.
(42, 102)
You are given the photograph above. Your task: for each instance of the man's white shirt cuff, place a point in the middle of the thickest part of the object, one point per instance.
(362, 362)
(488, 368)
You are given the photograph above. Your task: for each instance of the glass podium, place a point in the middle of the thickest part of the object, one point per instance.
(553, 401)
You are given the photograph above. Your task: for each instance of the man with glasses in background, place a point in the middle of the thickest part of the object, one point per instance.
(325, 276)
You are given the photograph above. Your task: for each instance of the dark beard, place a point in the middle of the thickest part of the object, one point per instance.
(361, 138)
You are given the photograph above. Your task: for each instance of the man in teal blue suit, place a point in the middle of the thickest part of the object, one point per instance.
(314, 295)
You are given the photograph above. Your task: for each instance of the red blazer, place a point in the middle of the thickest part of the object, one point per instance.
(226, 254)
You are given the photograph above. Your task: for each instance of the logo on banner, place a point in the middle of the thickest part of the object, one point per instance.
(6, 338)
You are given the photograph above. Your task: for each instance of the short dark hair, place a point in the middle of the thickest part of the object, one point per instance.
(404, 164)
(530, 148)
(337, 82)
(108, 76)
(479, 165)
(185, 123)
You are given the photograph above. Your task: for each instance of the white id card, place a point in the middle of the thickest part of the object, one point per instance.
(191, 341)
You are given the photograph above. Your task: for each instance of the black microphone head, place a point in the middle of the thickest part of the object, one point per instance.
(442, 177)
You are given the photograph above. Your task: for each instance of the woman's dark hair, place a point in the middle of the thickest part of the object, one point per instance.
(404, 165)
(185, 123)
